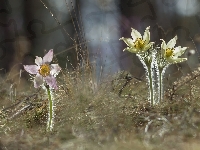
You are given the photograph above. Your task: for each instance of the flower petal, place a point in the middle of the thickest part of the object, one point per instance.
(135, 34)
(128, 41)
(172, 42)
(163, 47)
(38, 60)
(48, 57)
(178, 51)
(132, 49)
(146, 36)
(51, 81)
(38, 81)
(176, 60)
(32, 69)
(148, 46)
(55, 69)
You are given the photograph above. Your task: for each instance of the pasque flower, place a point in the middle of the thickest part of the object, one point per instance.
(170, 53)
(44, 71)
(138, 44)
(142, 46)
(154, 59)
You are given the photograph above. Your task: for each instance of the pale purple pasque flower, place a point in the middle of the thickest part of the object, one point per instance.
(44, 71)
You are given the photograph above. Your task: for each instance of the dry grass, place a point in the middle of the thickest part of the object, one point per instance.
(111, 115)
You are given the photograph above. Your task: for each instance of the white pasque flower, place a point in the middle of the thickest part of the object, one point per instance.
(171, 53)
(44, 71)
(138, 44)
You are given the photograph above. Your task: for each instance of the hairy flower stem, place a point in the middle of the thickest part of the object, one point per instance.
(161, 73)
(151, 87)
(149, 75)
(160, 85)
(50, 113)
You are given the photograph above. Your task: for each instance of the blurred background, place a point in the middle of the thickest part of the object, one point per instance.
(81, 29)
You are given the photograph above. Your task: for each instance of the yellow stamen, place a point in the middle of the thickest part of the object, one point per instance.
(139, 43)
(169, 52)
(44, 70)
